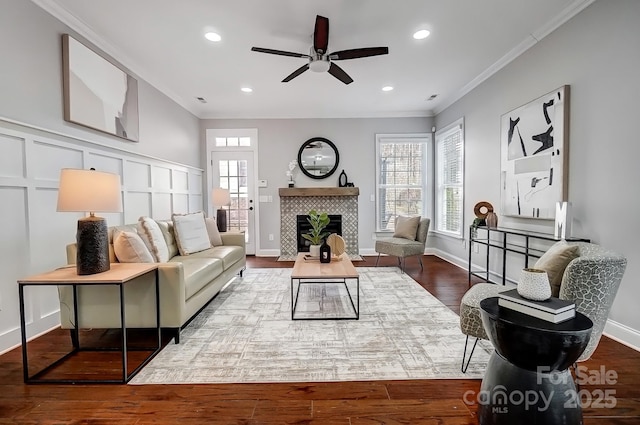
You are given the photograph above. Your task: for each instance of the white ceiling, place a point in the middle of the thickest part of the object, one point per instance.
(162, 42)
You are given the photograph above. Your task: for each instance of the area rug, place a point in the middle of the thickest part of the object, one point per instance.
(246, 335)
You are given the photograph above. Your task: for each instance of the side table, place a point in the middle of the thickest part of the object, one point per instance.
(527, 380)
(120, 274)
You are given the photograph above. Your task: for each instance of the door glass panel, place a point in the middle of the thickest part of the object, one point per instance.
(233, 176)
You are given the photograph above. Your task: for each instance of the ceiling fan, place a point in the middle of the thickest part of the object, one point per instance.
(319, 59)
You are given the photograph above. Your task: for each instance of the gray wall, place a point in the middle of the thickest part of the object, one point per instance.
(279, 141)
(31, 89)
(598, 54)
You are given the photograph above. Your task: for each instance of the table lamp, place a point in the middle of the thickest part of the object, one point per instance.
(221, 197)
(90, 191)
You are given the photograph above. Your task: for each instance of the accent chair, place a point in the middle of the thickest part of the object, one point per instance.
(591, 280)
(402, 245)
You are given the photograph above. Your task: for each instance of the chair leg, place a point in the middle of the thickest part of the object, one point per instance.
(403, 262)
(463, 367)
(420, 258)
(377, 259)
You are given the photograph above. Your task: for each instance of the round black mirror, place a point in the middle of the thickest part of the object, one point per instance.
(318, 158)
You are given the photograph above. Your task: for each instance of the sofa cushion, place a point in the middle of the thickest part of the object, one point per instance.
(166, 226)
(554, 261)
(129, 248)
(228, 254)
(212, 230)
(406, 227)
(191, 233)
(198, 272)
(153, 238)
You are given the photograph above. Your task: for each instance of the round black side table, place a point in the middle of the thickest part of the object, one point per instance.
(527, 380)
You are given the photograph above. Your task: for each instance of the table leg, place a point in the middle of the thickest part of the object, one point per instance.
(124, 334)
(23, 333)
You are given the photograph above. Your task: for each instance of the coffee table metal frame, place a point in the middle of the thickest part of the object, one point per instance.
(66, 276)
(322, 276)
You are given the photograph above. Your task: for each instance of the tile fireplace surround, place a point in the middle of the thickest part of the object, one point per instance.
(332, 200)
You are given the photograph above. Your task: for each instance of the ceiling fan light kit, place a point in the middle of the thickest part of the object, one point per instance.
(319, 66)
(319, 59)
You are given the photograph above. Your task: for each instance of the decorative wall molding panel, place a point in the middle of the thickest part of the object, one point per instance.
(35, 234)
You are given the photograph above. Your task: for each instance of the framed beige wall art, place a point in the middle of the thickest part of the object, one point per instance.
(534, 156)
(98, 93)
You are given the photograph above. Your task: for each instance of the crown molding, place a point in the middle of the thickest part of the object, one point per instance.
(532, 39)
(63, 15)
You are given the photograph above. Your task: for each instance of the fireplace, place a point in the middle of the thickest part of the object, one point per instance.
(299, 201)
(303, 226)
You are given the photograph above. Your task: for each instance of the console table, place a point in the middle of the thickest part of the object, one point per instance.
(527, 380)
(120, 274)
(510, 240)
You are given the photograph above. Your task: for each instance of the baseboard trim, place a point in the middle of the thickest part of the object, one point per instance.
(14, 338)
(623, 334)
(268, 253)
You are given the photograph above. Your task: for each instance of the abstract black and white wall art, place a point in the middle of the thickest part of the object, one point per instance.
(97, 93)
(534, 156)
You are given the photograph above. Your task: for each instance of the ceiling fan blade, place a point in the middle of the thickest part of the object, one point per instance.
(358, 53)
(339, 73)
(321, 34)
(279, 52)
(295, 73)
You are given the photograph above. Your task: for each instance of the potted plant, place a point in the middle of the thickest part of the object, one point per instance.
(318, 222)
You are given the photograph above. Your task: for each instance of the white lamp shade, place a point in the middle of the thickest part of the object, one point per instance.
(89, 191)
(220, 197)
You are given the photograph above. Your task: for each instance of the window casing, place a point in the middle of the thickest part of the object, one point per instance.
(403, 183)
(449, 193)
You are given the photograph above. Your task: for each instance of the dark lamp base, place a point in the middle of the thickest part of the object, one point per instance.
(221, 220)
(92, 237)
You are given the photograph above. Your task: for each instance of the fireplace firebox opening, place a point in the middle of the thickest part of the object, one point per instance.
(303, 226)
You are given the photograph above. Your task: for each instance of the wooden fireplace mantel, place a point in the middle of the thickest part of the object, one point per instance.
(318, 191)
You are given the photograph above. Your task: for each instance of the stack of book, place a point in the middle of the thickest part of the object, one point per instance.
(553, 310)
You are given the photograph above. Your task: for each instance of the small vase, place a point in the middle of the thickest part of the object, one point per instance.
(325, 252)
(491, 219)
(534, 285)
(314, 250)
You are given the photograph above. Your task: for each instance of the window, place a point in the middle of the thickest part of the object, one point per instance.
(402, 186)
(233, 141)
(449, 197)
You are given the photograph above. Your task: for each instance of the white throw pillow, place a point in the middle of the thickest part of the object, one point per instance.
(406, 227)
(129, 248)
(153, 238)
(191, 232)
(214, 233)
(166, 226)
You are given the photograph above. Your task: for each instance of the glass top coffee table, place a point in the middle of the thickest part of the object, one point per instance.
(324, 291)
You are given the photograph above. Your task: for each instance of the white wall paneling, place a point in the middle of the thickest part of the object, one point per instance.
(36, 234)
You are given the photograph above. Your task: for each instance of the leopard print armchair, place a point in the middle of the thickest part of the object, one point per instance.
(592, 281)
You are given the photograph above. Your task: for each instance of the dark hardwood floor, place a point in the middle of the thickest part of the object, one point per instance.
(345, 403)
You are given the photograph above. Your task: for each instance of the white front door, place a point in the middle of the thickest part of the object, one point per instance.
(233, 170)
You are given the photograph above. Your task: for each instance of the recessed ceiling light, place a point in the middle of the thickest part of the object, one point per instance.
(212, 36)
(246, 89)
(387, 88)
(419, 35)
